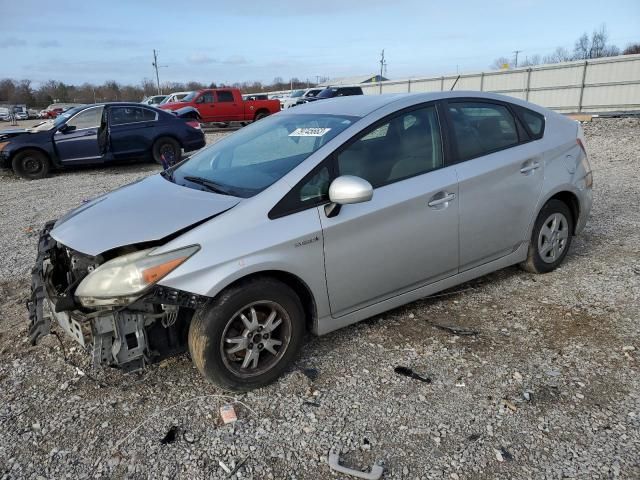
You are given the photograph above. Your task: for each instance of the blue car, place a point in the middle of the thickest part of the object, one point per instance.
(99, 134)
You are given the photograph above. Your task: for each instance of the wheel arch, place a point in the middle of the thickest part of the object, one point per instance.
(39, 148)
(294, 282)
(565, 194)
(260, 111)
(165, 135)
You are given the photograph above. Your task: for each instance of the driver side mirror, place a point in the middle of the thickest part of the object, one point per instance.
(66, 128)
(345, 190)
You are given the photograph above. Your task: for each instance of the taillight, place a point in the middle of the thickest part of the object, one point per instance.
(194, 124)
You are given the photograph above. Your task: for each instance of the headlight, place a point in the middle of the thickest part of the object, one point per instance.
(124, 279)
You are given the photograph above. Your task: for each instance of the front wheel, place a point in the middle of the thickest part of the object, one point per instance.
(31, 164)
(550, 239)
(248, 335)
(167, 149)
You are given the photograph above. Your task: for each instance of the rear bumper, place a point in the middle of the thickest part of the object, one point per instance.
(586, 201)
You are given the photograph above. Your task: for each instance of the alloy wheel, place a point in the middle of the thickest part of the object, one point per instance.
(553, 237)
(255, 338)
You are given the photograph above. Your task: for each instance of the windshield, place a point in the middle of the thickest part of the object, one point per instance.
(297, 93)
(327, 93)
(189, 96)
(252, 159)
(56, 122)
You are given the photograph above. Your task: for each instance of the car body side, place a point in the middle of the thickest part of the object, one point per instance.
(165, 125)
(293, 246)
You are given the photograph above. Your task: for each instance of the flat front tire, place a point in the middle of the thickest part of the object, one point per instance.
(31, 164)
(551, 238)
(248, 335)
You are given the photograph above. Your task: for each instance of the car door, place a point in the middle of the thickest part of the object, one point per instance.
(406, 236)
(500, 174)
(131, 130)
(207, 107)
(77, 141)
(227, 109)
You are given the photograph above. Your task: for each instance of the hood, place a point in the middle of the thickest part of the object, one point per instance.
(145, 211)
(5, 134)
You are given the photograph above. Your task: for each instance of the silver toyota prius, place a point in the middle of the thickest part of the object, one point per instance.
(311, 219)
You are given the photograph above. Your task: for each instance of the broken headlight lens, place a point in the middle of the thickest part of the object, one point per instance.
(122, 280)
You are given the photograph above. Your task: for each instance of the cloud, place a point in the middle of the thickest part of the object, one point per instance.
(11, 42)
(49, 44)
(235, 60)
(200, 59)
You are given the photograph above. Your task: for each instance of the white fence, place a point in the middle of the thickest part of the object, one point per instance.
(598, 85)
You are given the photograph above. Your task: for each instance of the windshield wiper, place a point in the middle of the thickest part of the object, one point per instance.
(208, 184)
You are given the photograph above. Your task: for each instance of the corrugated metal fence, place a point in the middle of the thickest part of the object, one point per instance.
(598, 85)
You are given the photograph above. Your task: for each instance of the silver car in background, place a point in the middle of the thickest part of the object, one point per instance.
(311, 219)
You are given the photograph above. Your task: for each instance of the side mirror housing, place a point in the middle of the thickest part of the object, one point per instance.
(66, 128)
(348, 189)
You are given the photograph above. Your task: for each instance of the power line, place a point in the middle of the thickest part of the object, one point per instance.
(516, 62)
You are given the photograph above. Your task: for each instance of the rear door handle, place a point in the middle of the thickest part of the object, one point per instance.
(441, 198)
(530, 168)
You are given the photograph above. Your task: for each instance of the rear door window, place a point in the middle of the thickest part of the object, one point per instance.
(124, 115)
(225, 96)
(481, 128)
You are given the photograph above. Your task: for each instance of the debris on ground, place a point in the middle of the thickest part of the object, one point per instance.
(509, 404)
(228, 413)
(334, 464)
(461, 331)
(311, 373)
(407, 372)
(170, 436)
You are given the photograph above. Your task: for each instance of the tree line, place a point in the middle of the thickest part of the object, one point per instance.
(53, 91)
(586, 47)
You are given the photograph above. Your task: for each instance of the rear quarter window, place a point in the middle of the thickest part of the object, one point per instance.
(534, 122)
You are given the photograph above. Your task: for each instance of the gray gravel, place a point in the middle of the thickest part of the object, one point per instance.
(548, 388)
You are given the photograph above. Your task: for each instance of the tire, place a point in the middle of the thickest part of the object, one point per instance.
(249, 362)
(260, 116)
(31, 164)
(551, 238)
(166, 145)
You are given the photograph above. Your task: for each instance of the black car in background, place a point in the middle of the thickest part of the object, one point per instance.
(332, 92)
(99, 134)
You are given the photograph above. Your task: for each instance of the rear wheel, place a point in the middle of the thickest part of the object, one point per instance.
(167, 147)
(31, 164)
(248, 335)
(550, 239)
(261, 115)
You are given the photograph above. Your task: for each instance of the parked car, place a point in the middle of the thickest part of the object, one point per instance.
(332, 92)
(22, 115)
(223, 105)
(316, 218)
(153, 100)
(297, 97)
(97, 134)
(174, 97)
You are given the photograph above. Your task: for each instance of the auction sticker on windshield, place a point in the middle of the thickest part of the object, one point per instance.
(309, 132)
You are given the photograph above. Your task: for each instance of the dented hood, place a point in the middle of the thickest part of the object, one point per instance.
(148, 210)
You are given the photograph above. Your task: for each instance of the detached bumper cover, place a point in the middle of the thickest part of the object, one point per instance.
(39, 320)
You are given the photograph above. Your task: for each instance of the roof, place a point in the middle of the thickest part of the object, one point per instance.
(354, 80)
(363, 105)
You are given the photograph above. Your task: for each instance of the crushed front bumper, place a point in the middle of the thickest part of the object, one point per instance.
(130, 337)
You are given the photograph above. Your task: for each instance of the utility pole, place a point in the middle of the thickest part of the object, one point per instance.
(516, 62)
(383, 65)
(156, 66)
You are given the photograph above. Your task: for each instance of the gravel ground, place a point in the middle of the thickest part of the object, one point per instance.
(547, 388)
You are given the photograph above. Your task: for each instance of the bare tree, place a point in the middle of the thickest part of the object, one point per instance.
(595, 46)
(500, 63)
(560, 54)
(632, 49)
(531, 61)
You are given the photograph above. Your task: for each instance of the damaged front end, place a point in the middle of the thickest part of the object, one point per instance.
(129, 335)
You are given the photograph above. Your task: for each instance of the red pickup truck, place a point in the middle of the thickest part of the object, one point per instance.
(223, 105)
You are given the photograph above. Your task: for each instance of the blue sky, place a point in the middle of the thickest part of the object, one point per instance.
(241, 40)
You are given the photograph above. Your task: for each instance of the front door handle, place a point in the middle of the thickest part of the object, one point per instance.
(90, 132)
(441, 198)
(530, 168)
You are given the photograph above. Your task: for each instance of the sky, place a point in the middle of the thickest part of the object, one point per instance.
(237, 40)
